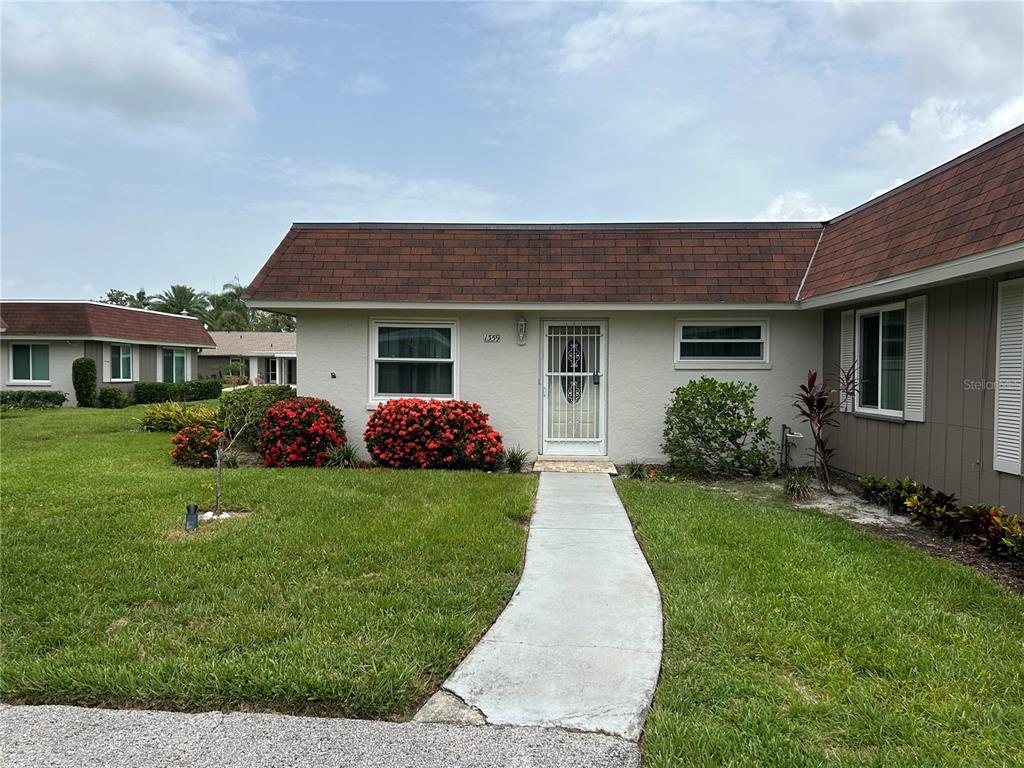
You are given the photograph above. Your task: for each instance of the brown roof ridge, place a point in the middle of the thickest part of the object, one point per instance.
(568, 226)
(95, 303)
(994, 142)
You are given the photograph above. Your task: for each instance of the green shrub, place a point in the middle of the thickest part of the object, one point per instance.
(173, 417)
(158, 392)
(165, 392)
(711, 431)
(203, 389)
(112, 397)
(514, 459)
(31, 399)
(83, 379)
(249, 405)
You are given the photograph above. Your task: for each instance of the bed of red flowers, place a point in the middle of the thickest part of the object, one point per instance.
(300, 432)
(195, 446)
(432, 434)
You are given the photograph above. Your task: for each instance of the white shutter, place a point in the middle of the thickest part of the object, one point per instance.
(916, 358)
(846, 345)
(136, 361)
(1009, 377)
(105, 362)
(159, 364)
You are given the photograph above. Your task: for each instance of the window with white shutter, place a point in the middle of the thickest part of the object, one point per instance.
(916, 359)
(1009, 400)
(846, 344)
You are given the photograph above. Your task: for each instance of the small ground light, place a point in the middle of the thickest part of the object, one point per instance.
(191, 517)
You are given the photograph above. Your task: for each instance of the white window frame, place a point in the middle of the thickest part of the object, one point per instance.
(859, 357)
(721, 363)
(29, 381)
(131, 361)
(375, 326)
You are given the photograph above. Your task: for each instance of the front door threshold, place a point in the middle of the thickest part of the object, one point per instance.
(596, 464)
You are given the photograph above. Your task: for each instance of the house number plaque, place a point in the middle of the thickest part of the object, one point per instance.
(492, 338)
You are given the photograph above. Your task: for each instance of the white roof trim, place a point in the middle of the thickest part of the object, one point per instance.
(553, 306)
(110, 339)
(998, 259)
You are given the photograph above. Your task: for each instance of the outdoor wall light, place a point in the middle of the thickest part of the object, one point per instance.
(521, 331)
(191, 517)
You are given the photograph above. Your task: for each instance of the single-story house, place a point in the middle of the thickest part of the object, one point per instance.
(39, 341)
(265, 357)
(573, 336)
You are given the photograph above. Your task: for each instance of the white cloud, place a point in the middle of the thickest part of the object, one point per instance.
(364, 84)
(145, 63)
(795, 205)
(336, 191)
(645, 28)
(951, 50)
(936, 131)
(36, 163)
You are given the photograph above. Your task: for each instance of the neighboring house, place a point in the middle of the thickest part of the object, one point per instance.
(40, 339)
(261, 356)
(573, 336)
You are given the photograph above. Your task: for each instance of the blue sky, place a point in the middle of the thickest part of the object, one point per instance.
(151, 143)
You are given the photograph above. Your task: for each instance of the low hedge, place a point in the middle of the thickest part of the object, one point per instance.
(164, 392)
(31, 399)
(112, 397)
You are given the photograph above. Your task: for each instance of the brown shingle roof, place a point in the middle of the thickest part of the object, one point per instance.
(538, 263)
(972, 204)
(242, 343)
(94, 320)
(969, 205)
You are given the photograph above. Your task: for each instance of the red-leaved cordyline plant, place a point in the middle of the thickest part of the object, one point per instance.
(816, 404)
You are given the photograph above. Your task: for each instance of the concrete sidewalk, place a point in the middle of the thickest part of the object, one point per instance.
(76, 737)
(579, 645)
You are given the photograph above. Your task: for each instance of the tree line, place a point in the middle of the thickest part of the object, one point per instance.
(224, 311)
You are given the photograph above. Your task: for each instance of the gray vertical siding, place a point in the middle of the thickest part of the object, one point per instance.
(952, 450)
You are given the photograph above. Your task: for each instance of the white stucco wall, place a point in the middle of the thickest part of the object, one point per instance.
(62, 354)
(506, 378)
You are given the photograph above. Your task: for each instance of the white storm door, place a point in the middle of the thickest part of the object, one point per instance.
(575, 363)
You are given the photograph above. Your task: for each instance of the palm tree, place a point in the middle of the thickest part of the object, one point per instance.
(139, 300)
(183, 300)
(227, 310)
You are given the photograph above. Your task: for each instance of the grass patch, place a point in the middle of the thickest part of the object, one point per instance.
(795, 639)
(345, 592)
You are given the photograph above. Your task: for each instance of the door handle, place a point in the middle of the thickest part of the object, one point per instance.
(597, 377)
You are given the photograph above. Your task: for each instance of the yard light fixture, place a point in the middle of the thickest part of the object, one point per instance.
(521, 331)
(191, 517)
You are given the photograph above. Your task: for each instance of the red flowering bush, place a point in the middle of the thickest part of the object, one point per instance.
(432, 434)
(300, 432)
(195, 446)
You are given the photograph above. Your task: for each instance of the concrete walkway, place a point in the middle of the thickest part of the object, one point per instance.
(579, 645)
(76, 737)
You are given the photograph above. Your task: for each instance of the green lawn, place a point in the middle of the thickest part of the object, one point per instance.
(347, 592)
(794, 639)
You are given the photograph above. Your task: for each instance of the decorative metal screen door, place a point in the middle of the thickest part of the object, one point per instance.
(575, 353)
